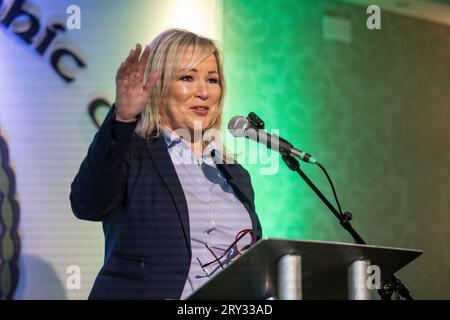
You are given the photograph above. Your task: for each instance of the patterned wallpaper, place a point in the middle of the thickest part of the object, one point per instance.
(374, 111)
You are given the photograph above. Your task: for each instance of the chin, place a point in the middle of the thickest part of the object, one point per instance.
(199, 124)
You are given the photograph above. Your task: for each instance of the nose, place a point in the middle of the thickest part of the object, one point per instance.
(202, 91)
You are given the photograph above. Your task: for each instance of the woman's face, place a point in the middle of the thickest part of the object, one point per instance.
(192, 100)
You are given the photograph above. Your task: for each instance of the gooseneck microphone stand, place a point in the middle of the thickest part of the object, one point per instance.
(392, 284)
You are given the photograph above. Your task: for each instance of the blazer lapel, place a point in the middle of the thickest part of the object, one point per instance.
(241, 186)
(233, 174)
(157, 151)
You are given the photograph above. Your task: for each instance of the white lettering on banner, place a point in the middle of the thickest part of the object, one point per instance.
(13, 20)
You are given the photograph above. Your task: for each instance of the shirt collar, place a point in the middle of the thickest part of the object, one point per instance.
(211, 154)
(171, 138)
(213, 151)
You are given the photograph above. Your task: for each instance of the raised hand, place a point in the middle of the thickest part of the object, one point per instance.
(132, 94)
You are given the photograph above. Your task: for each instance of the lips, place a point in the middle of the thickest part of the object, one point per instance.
(200, 110)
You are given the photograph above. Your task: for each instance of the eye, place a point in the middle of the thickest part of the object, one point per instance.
(213, 80)
(186, 78)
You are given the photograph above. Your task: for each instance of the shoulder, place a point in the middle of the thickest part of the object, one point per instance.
(238, 168)
(152, 141)
(243, 171)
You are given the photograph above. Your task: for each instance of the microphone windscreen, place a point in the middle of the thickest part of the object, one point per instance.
(237, 126)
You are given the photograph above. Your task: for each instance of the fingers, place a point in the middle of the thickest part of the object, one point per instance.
(144, 58)
(136, 53)
(120, 72)
(130, 56)
(151, 81)
(126, 65)
(134, 64)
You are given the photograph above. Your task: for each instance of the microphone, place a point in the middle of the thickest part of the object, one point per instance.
(240, 126)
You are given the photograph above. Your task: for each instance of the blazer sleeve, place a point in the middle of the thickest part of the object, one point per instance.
(100, 184)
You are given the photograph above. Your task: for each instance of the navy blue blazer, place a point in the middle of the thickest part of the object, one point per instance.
(130, 184)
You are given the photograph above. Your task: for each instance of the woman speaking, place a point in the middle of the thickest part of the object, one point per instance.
(175, 210)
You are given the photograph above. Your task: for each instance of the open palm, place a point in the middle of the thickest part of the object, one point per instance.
(132, 94)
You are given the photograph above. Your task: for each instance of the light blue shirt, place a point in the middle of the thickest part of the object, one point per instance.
(216, 215)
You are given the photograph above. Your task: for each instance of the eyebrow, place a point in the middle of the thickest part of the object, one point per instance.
(195, 70)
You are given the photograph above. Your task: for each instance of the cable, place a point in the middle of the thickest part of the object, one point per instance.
(332, 186)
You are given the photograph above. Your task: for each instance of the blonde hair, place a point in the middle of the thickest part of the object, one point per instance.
(167, 50)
